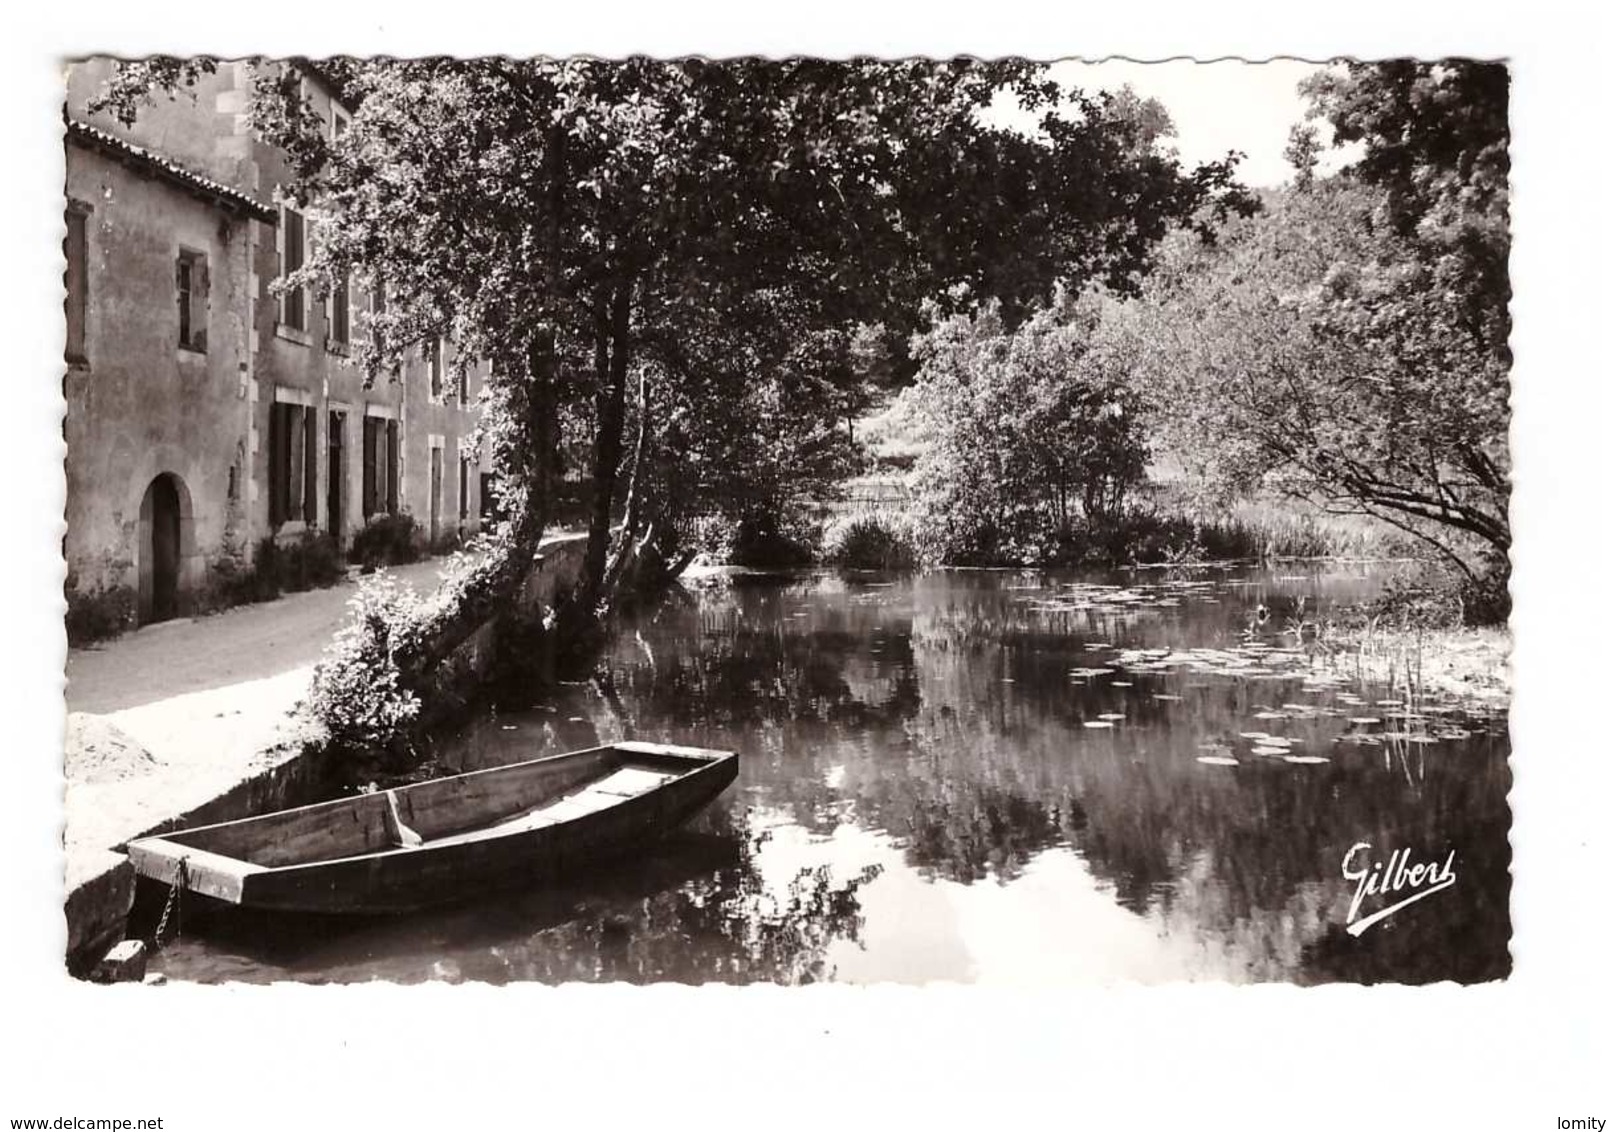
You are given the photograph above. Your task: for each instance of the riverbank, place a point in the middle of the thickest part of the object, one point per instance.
(201, 720)
(187, 720)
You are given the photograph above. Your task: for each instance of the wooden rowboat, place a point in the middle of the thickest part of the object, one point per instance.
(437, 841)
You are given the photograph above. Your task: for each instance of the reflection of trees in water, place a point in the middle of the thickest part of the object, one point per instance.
(732, 927)
(968, 835)
(695, 909)
(960, 736)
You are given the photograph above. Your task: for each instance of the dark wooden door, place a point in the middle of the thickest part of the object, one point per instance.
(436, 486)
(336, 473)
(165, 548)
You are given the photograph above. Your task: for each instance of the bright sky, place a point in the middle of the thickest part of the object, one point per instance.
(1215, 107)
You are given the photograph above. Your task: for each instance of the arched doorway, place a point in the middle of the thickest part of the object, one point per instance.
(160, 528)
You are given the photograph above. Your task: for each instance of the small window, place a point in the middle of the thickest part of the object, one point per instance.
(461, 382)
(339, 123)
(191, 296)
(339, 312)
(465, 510)
(292, 254)
(78, 281)
(378, 308)
(434, 350)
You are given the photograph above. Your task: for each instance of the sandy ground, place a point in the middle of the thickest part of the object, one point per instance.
(167, 718)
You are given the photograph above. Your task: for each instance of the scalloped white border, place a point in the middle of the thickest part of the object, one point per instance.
(1514, 1055)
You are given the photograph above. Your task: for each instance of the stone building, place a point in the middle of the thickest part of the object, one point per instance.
(204, 412)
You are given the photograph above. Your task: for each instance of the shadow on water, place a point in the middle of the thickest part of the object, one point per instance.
(698, 887)
(980, 775)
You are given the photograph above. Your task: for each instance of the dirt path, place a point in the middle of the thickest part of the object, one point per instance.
(249, 643)
(166, 718)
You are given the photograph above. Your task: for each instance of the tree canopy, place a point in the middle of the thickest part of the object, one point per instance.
(1351, 343)
(1034, 430)
(718, 237)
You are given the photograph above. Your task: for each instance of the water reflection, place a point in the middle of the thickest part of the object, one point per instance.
(929, 790)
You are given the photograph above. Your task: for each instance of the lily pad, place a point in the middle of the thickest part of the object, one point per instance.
(1218, 760)
(1307, 760)
(1097, 723)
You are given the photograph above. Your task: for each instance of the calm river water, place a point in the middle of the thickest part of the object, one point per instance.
(982, 776)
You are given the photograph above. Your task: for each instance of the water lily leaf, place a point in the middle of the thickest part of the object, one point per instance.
(1217, 760)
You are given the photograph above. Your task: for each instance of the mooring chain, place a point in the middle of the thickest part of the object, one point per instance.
(170, 905)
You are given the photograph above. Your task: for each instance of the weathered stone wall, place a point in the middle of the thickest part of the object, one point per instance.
(311, 366)
(206, 129)
(141, 405)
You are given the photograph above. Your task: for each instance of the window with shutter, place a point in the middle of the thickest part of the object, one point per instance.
(279, 453)
(370, 444)
(310, 423)
(292, 235)
(191, 296)
(78, 281)
(392, 467)
(339, 312)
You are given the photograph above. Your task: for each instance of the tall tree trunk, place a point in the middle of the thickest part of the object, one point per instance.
(473, 598)
(525, 455)
(612, 330)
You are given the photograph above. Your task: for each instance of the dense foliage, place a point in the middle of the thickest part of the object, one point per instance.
(1351, 343)
(677, 265)
(1035, 432)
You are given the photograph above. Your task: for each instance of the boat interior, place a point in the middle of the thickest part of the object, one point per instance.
(449, 811)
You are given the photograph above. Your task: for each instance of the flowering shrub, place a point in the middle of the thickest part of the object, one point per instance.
(357, 693)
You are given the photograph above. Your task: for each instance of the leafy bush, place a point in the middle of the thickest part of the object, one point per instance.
(312, 561)
(1034, 432)
(97, 615)
(1485, 599)
(875, 540)
(769, 538)
(387, 540)
(762, 538)
(356, 691)
(1443, 597)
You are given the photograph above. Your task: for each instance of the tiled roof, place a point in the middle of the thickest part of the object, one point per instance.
(213, 191)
